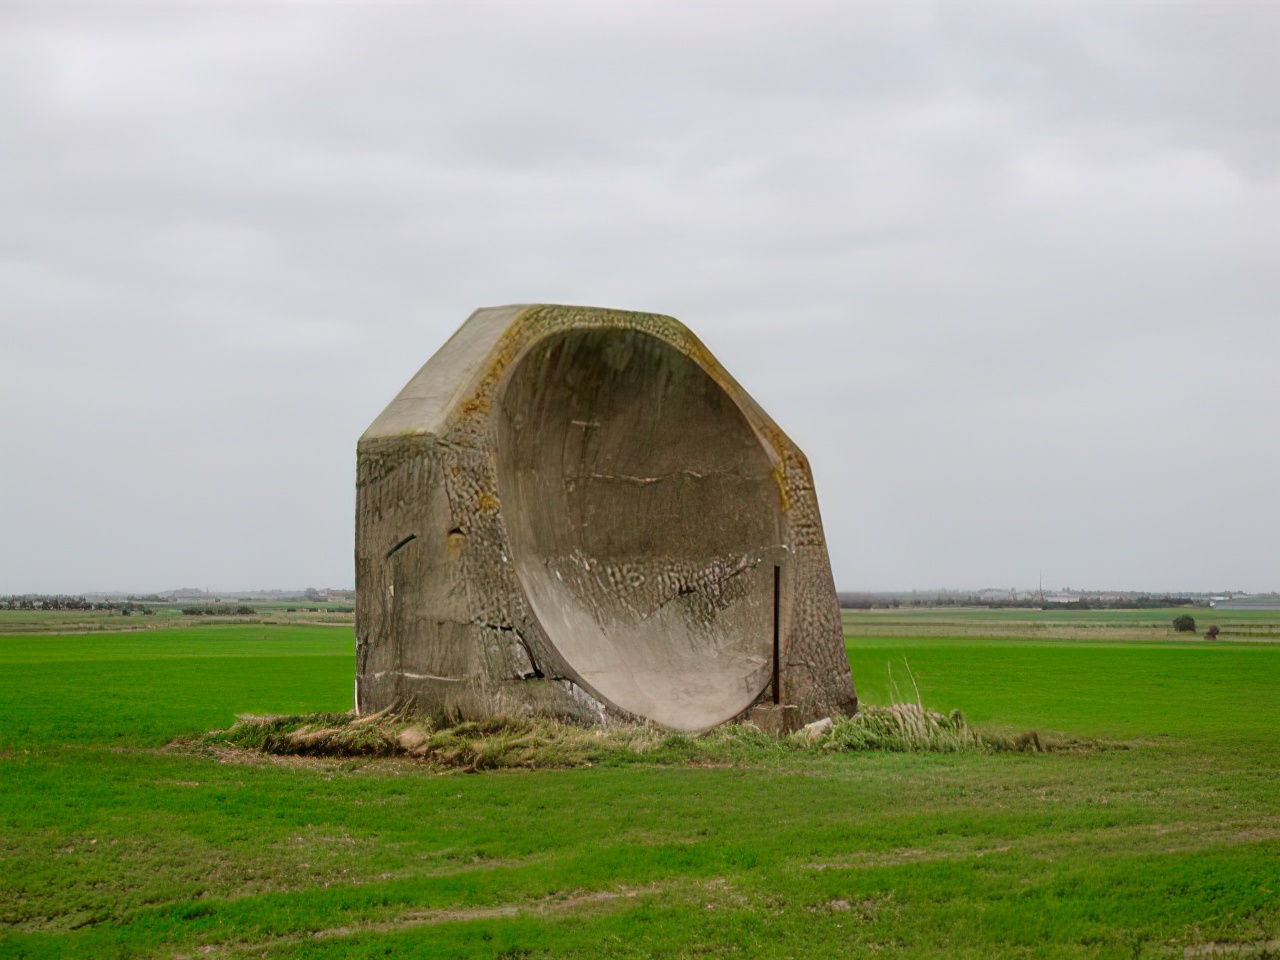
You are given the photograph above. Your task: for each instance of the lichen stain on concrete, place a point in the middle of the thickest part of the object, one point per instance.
(598, 511)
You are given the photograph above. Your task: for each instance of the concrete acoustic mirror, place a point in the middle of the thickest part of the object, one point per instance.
(576, 512)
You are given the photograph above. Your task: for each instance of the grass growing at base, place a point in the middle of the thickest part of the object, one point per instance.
(539, 743)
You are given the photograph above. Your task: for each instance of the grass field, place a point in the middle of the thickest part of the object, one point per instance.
(169, 616)
(1054, 624)
(1168, 840)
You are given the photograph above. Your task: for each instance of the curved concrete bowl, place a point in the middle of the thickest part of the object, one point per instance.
(577, 512)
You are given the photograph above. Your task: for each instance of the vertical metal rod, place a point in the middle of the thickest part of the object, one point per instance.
(777, 634)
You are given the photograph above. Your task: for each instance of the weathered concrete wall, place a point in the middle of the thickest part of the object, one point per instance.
(578, 512)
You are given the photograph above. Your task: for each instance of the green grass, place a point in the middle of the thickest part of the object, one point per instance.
(114, 845)
(144, 689)
(1207, 693)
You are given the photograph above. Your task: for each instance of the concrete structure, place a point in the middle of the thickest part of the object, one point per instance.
(577, 512)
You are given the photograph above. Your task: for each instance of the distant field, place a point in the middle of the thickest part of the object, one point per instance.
(164, 616)
(114, 845)
(1060, 624)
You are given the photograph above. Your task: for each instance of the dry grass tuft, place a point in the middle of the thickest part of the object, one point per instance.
(904, 727)
(533, 742)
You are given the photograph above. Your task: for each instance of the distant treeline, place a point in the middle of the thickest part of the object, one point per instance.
(218, 611)
(1125, 603)
(863, 601)
(40, 601)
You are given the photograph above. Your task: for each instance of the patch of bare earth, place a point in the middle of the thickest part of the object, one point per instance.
(1158, 838)
(547, 906)
(1222, 948)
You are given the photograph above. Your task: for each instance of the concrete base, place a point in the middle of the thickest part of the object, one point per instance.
(775, 718)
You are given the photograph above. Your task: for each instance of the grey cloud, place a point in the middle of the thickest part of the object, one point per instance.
(1006, 274)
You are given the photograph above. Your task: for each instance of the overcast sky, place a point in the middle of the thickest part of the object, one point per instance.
(1008, 274)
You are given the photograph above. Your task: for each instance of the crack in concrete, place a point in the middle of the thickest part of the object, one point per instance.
(697, 586)
(416, 676)
(639, 481)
